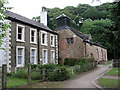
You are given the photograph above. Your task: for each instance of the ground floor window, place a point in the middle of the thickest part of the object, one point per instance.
(33, 56)
(20, 56)
(52, 56)
(44, 56)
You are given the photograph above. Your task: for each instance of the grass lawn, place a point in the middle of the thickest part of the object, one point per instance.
(14, 82)
(113, 71)
(108, 83)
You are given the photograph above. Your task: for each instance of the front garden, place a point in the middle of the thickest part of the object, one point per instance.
(50, 72)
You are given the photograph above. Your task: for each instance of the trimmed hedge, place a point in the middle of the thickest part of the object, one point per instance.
(78, 61)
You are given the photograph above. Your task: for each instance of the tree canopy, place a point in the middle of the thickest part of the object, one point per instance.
(102, 22)
(3, 24)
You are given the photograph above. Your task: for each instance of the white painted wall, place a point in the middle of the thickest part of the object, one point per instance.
(3, 53)
(43, 17)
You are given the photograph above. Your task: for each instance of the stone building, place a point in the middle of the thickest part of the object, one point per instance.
(28, 42)
(32, 42)
(74, 44)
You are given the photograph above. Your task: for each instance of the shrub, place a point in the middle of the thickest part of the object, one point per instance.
(36, 75)
(81, 61)
(78, 61)
(59, 74)
(20, 73)
(70, 61)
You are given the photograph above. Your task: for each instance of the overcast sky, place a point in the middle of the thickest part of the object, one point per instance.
(31, 8)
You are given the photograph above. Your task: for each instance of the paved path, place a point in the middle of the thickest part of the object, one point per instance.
(85, 80)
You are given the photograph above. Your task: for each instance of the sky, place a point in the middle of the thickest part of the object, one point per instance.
(32, 8)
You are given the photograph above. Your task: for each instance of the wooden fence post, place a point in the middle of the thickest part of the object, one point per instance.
(4, 76)
(43, 73)
(29, 73)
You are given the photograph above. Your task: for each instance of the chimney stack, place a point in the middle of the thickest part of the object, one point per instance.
(43, 16)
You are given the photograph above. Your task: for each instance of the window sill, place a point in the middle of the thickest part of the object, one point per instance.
(44, 44)
(52, 45)
(20, 41)
(20, 66)
(33, 42)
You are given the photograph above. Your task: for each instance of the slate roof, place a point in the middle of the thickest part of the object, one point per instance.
(62, 15)
(14, 16)
(81, 35)
(93, 43)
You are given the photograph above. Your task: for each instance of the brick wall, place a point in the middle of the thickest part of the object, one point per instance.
(97, 52)
(74, 50)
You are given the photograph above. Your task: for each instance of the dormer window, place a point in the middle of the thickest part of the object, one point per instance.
(20, 33)
(33, 35)
(70, 40)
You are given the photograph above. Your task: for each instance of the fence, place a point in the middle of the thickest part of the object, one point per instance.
(3, 76)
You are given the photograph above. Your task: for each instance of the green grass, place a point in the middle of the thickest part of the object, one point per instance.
(14, 82)
(113, 71)
(108, 83)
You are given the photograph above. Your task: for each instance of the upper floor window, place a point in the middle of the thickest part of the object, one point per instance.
(43, 38)
(52, 40)
(33, 35)
(70, 40)
(20, 33)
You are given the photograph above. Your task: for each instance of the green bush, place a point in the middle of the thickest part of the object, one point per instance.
(53, 72)
(46, 66)
(77, 61)
(20, 73)
(59, 74)
(36, 75)
(70, 61)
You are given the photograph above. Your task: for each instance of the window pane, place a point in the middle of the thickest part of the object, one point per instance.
(19, 60)
(44, 56)
(20, 36)
(20, 29)
(20, 51)
(43, 38)
(68, 40)
(52, 56)
(32, 33)
(51, 40)
(33, 52)
(71, 40)
(32, 60)
(32, 39)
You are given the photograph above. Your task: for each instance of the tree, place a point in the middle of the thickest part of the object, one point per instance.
(100, 31)
(3, 24)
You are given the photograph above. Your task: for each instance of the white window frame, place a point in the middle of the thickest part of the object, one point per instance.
(23, 33)
(46, 39)
(35, 62)
(23, 59)
(52, 61)
(53, 44)
(35, 36)
(46, 56)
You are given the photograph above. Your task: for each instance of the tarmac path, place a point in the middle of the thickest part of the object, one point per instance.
(85, 80)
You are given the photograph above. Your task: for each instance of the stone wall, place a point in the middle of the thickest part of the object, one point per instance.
(74, 50)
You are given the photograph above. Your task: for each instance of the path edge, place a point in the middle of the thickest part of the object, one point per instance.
(94, 81)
